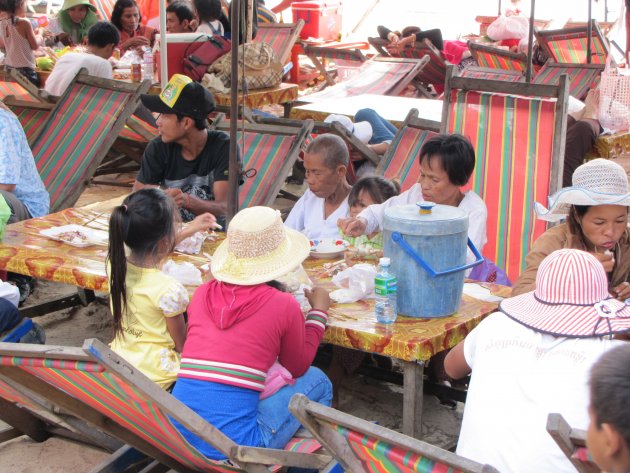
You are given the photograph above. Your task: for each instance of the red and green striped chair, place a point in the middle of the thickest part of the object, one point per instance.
(475, 72)
(569, 45)
(518, 132)
(94, 384)
(79, 132)
(32, 115)
(433, 73)
(281, 37)
(318, 55)
(380, 76)
(363, 447)
(268, 152)
(582, 77)
(401, 161)
(104, 8)
(572, 442)
(16, 85)
(497, 58)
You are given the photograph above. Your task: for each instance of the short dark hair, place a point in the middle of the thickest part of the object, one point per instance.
(610, 390)
(379, 188)
(182, 10)
(200, 123)
(208, 10)
(103, 33)
(332, 148)
(10, 6)
(456, 155)
(119, 8)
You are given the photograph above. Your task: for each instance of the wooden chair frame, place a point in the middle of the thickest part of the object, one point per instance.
(318, 54)
(283, 52)
(128, 378)
(569, 440)
(320, 421)
(547, 37)
(577, 88)
(476, 72)
(508, 60)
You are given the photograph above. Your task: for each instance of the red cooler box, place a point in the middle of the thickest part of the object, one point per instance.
(322, 19)
(176, 46)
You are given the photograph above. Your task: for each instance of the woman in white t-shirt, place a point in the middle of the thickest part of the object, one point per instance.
(446, 164)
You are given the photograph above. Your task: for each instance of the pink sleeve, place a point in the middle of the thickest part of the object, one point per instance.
(301, 340)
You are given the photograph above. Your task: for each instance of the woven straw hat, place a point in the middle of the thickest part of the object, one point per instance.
(598, 182)
(571, 299)
(258, 248)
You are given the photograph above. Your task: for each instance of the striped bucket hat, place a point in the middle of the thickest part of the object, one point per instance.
(571, 299)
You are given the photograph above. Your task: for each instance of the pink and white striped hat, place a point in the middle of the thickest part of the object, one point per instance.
(571, 299)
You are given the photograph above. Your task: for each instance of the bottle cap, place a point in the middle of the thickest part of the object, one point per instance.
(425, 207)
(385, 261)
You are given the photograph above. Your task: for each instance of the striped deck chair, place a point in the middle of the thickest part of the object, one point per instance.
(32, 115)
(475, 72)
(569, 45)
(268, 152)
(518, 132)
(433, 73)
(14, 84)
(79, 132)
(572, 442)
(318, 54)
(363, 447)
(281, 37)
(582, 77)
(401, 160)
(94, 384)
(381, 76)
(497, 58)
(104, 8)
(605, 26)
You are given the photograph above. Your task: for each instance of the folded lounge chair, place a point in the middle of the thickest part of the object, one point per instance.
(518, 132)
(475, 72)
(572, 442)
(319, 54)
(281, 37)
(582, 77)
(363, 447)
(102, 389)
(569, 45)
(401, 160)
(497, 58)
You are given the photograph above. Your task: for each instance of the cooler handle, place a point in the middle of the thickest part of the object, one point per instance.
(400, 241)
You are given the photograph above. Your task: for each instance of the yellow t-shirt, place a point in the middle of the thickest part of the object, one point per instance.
(145, 341)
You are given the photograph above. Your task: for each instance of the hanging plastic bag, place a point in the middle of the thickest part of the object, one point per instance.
(614, 97)
(508, 27)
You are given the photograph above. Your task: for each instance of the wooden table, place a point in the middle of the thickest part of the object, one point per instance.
(394, 109)
(411, 340)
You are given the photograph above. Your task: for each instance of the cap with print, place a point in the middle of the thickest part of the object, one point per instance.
(183, 96)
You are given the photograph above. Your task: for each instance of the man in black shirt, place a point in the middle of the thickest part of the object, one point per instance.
(189, 161)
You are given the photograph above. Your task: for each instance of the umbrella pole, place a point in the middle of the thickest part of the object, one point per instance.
(589, 33)
(530, 44)
(234, 169)
(499, 13)
(163, 48)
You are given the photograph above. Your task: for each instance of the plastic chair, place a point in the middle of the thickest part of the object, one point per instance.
(572, 442)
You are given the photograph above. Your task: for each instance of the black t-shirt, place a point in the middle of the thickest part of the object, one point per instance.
(163, 164)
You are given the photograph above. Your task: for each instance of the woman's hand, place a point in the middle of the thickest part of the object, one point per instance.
(352, 226)
(135, 42)
(203, 223)
(606, 259)
(318, 298)
(622, 291)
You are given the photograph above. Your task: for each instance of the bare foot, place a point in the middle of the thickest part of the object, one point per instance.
(591, 105)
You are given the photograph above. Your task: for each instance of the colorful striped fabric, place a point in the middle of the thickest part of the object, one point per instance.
(131, 134)
(569, 46)
(513, 139)
(9, 393)
(31, 119)
(73, 136)
(280, 36)
(497, 60)
(266, 154)
(434, 72)
(9, 87)
(492, 74)
(104, 8)
(378, 456)
(582, 77)
(402, 159)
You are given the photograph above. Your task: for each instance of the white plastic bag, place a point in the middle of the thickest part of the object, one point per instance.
(508, 27)
(355, 283)
(185, 272)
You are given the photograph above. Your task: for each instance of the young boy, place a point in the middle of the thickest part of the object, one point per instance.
(179, 17)
(102, 39)
(608, 434)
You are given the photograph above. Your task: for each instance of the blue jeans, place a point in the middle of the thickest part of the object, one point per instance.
(382, 130)
(276, 423)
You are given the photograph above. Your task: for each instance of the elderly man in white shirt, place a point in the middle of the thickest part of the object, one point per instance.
(326, 200)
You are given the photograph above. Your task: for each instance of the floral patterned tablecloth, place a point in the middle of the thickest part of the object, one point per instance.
(23, 250)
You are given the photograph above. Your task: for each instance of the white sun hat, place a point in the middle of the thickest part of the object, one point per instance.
(362, 130)
(258, 248)
(598, 182)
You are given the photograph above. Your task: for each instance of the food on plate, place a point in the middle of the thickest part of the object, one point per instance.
(73, 236)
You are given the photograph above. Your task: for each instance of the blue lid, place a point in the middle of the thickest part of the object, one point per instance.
(425, 218)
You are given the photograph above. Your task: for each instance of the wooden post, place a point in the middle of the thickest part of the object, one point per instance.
(234, 169)
(530, 44)
(412, 398)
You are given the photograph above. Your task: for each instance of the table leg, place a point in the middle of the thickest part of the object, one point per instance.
(412, 398)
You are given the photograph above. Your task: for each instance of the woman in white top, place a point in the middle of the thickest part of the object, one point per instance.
(209, 14)
(446, 164)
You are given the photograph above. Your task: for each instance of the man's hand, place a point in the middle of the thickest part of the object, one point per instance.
(177, 195)
(318, 298)
(203, 223)
(352, 226)
(135, 42)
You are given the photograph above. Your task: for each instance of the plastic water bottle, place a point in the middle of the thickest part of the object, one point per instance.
(147, 59)
(385, 290)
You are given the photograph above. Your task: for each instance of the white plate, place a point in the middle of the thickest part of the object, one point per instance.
(328, 248)
(92, 237)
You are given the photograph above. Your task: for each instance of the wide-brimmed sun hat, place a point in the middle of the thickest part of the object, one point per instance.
(258, 248)
(362, 130)
(571, 299)
(598, 182)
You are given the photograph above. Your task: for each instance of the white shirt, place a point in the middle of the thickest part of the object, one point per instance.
(471, 204)
(211, 28)
(519, 376)
(307, 216)
(67, 67)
